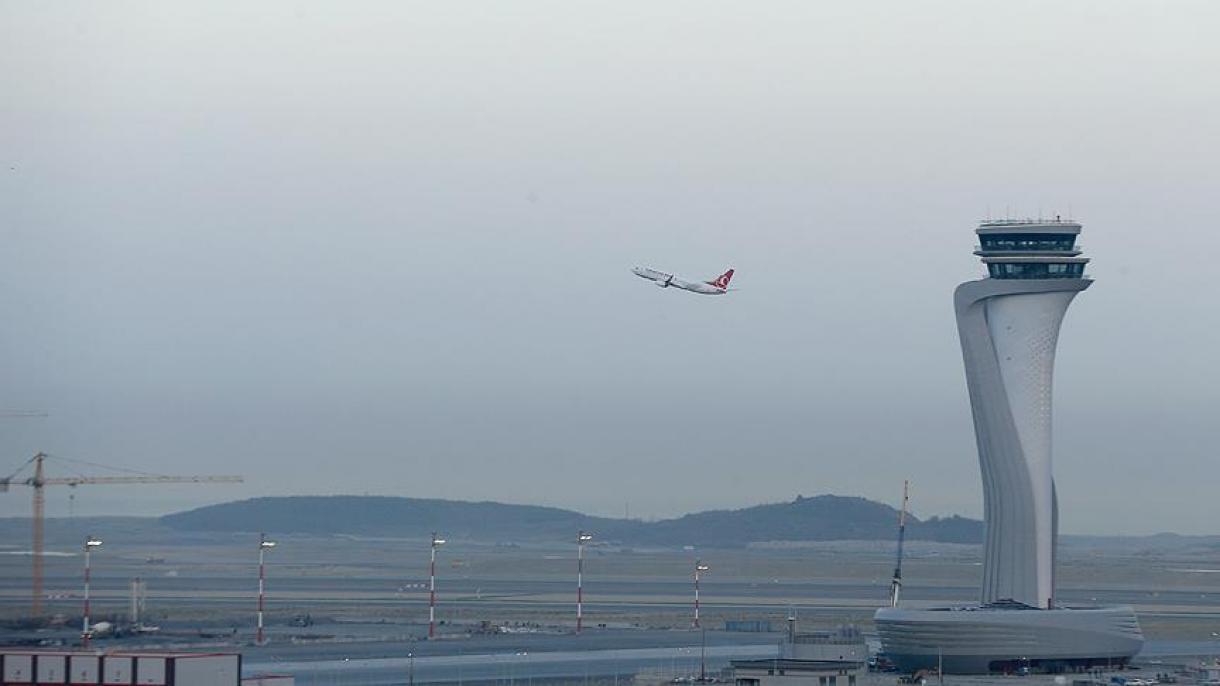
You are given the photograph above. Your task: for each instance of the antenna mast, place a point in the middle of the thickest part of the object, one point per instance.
(896, 582)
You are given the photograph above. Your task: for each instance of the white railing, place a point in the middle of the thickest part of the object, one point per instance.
(1025, 222)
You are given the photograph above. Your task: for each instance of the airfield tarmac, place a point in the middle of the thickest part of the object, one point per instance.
(349, 610)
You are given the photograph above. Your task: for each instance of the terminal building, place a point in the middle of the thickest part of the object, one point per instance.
(1009, 329)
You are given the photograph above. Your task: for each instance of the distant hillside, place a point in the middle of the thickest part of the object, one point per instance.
(385, 516)
(821, 518)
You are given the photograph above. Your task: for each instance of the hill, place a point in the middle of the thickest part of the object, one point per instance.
(821, 518)
(386, 516)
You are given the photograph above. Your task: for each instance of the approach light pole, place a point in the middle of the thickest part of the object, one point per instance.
(699, 568)
(263, 546)
(582, 538)
(90, 544)
(436, 543)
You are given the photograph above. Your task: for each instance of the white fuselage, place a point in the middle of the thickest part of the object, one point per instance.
(664, 280)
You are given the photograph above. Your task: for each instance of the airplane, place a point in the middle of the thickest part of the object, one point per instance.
(718, 286)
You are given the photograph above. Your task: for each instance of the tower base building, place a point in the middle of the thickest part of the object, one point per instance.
(986, 639)
(1009, 329)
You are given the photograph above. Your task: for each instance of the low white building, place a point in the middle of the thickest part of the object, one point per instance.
(819, 658)
(95, 668)
(782, 672)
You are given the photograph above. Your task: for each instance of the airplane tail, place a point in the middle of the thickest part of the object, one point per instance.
(722, 281)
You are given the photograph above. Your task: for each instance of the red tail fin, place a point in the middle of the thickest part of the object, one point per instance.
(722, 281)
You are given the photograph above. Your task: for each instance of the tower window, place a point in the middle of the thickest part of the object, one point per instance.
(1027, 242)
(1035, 270)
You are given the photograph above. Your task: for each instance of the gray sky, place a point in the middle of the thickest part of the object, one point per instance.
(384, 247)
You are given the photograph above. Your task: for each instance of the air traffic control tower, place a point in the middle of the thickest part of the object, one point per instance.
(1009, 326)
(1009, 329)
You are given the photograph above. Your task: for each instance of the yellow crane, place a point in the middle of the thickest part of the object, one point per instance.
(38, 481)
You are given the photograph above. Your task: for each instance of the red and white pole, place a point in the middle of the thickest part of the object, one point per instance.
(262, 595)
(580, 585)
(581, 539)
(696, 595)
(84, 634)
(436, 542)
(263, 546)
(432, 593)
(90, 544)
(699, 568)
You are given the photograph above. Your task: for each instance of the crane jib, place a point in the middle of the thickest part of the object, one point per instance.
(39, 481)
(79, 480)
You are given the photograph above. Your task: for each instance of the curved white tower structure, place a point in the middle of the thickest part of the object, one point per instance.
(1009, 327)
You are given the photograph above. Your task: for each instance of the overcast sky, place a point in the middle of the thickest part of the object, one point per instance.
(385, 248)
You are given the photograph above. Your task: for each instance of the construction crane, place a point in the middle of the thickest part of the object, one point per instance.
(39, 481)
(896, 582)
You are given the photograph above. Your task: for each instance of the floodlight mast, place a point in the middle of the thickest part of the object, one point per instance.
(582, 537)
(699, 569)
(90, 544)
(264, 544)
(436, 543)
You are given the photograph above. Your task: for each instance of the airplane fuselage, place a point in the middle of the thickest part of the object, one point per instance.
(663, 280)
